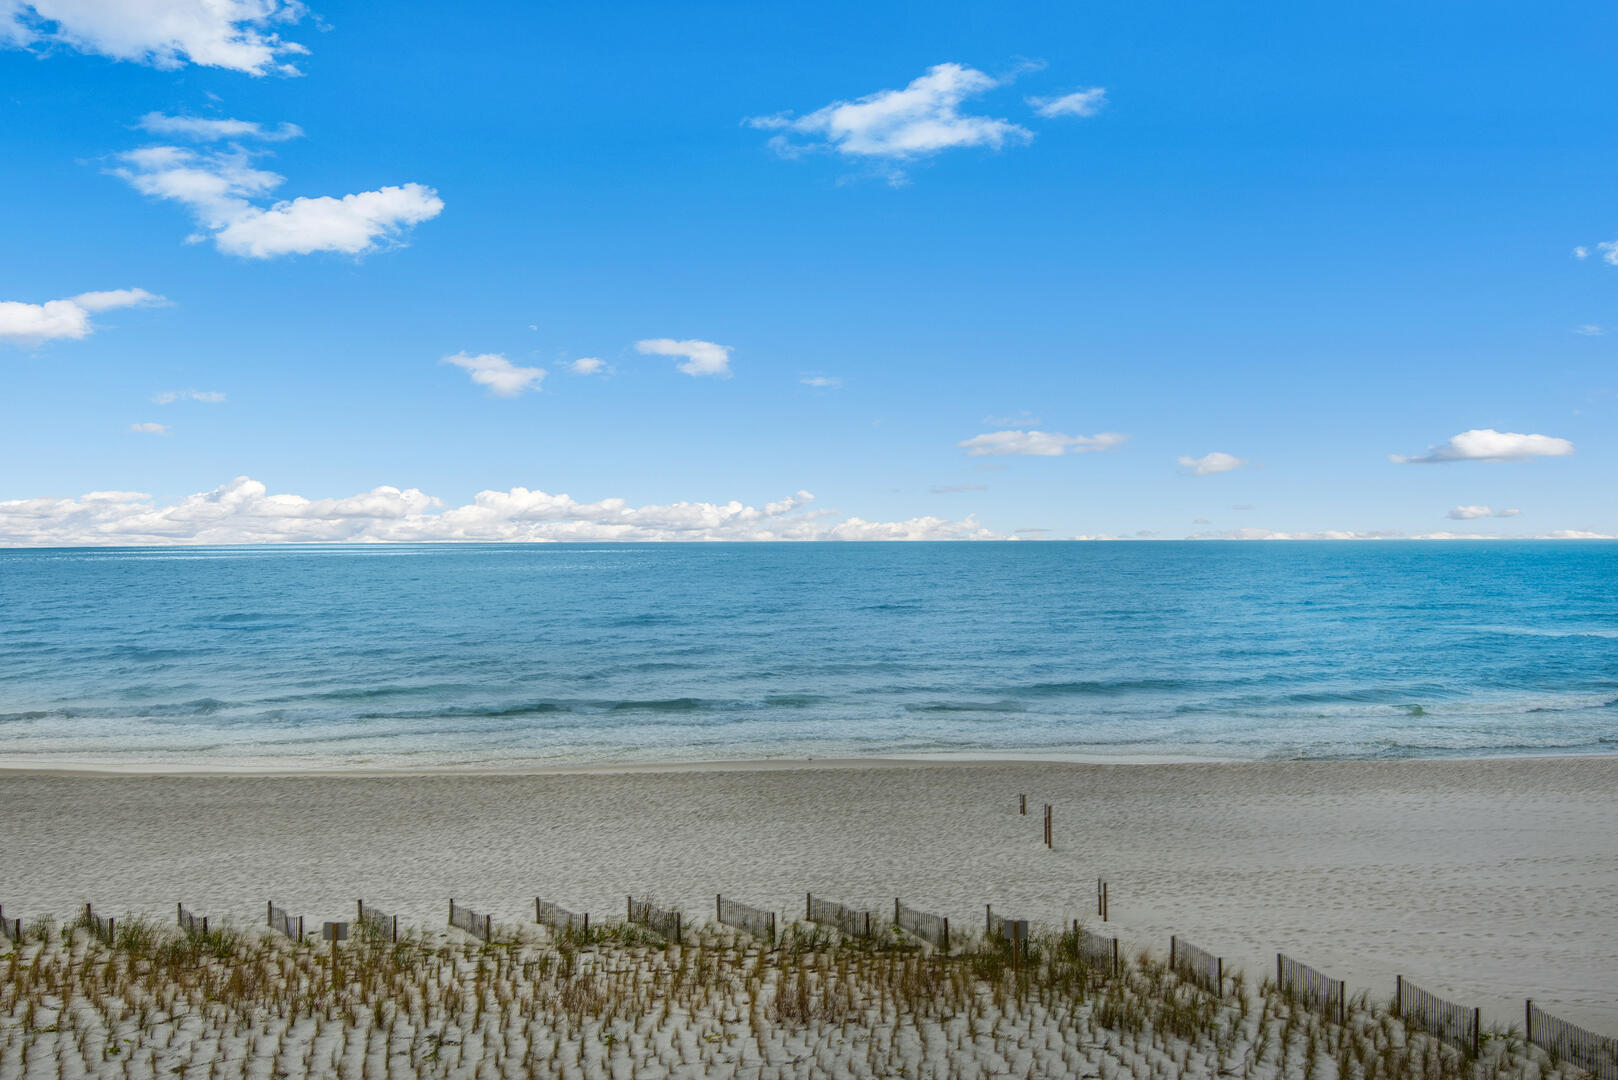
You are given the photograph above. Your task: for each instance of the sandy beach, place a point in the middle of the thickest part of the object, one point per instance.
(1487, 881)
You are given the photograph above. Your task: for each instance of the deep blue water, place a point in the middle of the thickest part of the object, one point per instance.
(511, 654)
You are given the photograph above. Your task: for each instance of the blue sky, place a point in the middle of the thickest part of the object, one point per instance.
(1300, 238)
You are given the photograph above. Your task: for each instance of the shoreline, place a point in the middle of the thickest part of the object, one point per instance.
(141, 769)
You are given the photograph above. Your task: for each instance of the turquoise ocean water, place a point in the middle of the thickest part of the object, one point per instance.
(484, 655)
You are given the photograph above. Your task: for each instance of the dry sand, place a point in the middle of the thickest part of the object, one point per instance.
(1487, 881)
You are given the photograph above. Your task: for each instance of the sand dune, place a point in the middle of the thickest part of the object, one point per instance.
(1488, 881)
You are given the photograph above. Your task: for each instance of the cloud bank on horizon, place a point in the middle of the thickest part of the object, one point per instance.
(244, 512)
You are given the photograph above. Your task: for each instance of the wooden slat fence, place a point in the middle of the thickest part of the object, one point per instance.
(850, 922)
(930, 928)
(10, 928)
(102, 926)
(756, 921)
(464, 918)
(1455, 1024)
(283, 923)
(1197, 965)
(1097, 951)
(1000, 926)
(665, 922)
(1314, 990)
(373, 920)
(189, 921)
(560, 918)
(1595, 1054)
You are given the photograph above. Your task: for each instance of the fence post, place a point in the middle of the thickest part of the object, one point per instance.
(269, 913)
(1477, 1030)
(1106, 899)
(946, 933)
(629, 907)
(1528, 1020)
(300, 927)
(896, 910)
(395, 934)
(1115, 956)
(1022, 804)
(1398, 995)
(988, 918)
(1342, 1002)
(1174, 944)
(1278, 983)
(1219, 972)
(179, 913)
(808, 906)
(772, 929)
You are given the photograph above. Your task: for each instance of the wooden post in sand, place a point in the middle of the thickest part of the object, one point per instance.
(1022, 805)
(1047, 824)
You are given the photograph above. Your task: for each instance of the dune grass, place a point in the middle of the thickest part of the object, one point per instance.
(620, 1002)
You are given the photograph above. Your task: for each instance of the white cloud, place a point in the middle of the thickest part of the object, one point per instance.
(168, 397)
(1487, 444)
(31, 324)
(1038, 443)
(501, 376)
(150, 428)
(238, 35)
(701, 357)
(822, 382)
(1079, 103)
(219, 189)
(1327, 534)
(899, 125)
(1581, 252)
(951, 489)
(1022, 419)
(587, 365)
(204, 129)
(1589, 330)
(1209, 464)
(1609, 252)
(243, 511)
(1469, 513)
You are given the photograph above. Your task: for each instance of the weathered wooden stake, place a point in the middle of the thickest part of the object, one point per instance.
(1022, 804)
(1528, 1019)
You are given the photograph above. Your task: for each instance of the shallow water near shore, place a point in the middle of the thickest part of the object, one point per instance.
(499, 655)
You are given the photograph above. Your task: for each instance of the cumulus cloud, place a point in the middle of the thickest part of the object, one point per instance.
(918, 121)
(239, 35)
(1487, 444)
(1581, 252)
(1079, 103)
(1609, 252)
(150, 428)
(243, 511)
(31, 324)
(1468, 513)
(501, 376)
(1038, 443)
(206, 129)
(168, 397)
(701, 357)
(219, 188)
(587, 365)
(1209, 464)
(822, 382)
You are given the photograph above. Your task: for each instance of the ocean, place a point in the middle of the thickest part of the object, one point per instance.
(561, 654)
